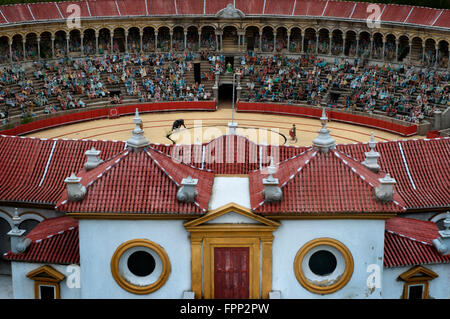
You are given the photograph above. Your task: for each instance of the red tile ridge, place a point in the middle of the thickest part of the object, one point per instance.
(367, 175)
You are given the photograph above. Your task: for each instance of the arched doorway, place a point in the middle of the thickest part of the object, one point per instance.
(104, 41)
(252, 38)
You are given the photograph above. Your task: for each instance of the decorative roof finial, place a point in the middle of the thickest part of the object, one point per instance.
(138, 141)
(324, 141)
(187, 192)
(93, 159)
(19, 242)
(442, 243)
(16, 222)
(385, 191)
(272, 192)
(371, 160)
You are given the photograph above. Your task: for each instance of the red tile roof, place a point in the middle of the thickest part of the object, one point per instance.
(408, 242)
(420, 167)
(139, 182)
(54, 241)
(357, 11)
(33, 169)
(315, 182)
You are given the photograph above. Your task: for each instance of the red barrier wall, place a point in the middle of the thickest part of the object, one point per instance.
(332, 115)
(104, 113)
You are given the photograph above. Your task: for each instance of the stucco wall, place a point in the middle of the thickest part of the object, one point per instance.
(439, 287)
(23, 287)
(100, 238)
(363, 238)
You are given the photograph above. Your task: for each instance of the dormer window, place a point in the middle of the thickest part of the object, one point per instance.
(46, 282)
(417, 282)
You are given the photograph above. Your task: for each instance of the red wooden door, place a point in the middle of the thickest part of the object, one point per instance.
(231, 272)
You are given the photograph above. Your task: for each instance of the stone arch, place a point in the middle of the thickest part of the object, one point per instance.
(324, 41)
(134, 40)
(178, 38)
(430, 51)
(104, 40)
(267, 36)
(350, 43)
(192, 39)
(443, 53)
(295, 42)
(31, 46)
(281, 38)
(60, 43)
(403, 47)
(390, 47)
(148, 39)
(337, 42)
(230, 37)
(252, 36)
(377, 52)
(364, 44)
(4, 49)
(118, 40)
(17, 47)
(75, 40)
(89, 45)
(208, 37)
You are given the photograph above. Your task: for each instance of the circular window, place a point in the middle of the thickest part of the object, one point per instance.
(140, 266)
(141, 263)
(323, 265)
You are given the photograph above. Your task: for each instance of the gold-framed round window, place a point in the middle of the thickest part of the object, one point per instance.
(140, 266)
(323, 266)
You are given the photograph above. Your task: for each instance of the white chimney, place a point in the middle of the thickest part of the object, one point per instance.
(187, 192)
(385, 191)
(75, 190)
(19, 243)
(371, 161)
(442, 243)
(324, 142)
(137, 141)
(272, 192)
(93, 159)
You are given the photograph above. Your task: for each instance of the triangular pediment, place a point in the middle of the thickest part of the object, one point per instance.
(230, 12)
(418, 273)
(46, 273)
(231, 212)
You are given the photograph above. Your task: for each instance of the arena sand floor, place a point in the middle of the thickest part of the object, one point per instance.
(209, 125)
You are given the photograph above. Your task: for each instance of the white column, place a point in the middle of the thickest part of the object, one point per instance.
(423, 52)
(96, 41)
(82, 44)
(217, 42)
(260, 41)
(384, 47)
(39, 47)
(10, 50)
(112, 40)
(288, 40)
(141, 34)
(437, 53)
(126, 40)
(67, 43)
(185, 40)
(410, 50)
(156, 41)
(371, 47)
(274, 41)
(317, 43)
(357, 46)
(199, 36)
(303, 41)
(397, 42)
(344, 37)
(23, 46)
